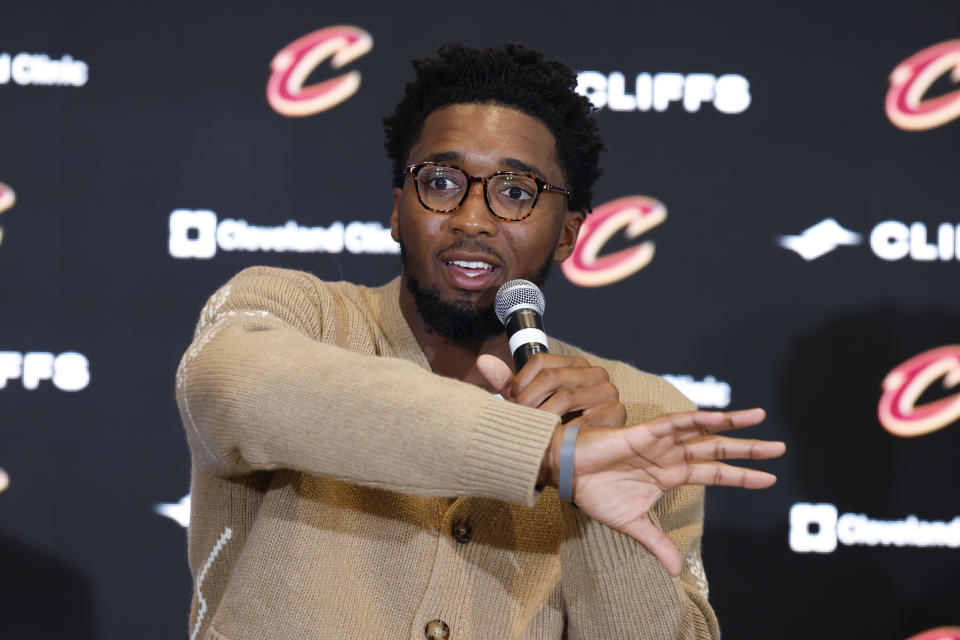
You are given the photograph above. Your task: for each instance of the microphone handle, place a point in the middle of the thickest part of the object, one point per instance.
(525, 352)
(527, 338)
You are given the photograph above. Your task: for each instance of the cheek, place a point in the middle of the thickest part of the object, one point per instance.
(423, 228)
(532, 244)
(418, 228)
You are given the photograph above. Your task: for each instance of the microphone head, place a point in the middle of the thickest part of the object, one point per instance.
(518, 294)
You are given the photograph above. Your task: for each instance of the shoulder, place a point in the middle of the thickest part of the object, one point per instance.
(276, 282)
(301, 299)
(645, 395)
(267, 279)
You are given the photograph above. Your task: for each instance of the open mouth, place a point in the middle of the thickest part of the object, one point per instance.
(470, 275)
(471, 268)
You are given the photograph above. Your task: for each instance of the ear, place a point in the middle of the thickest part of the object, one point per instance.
(395, 216)
(568, 235)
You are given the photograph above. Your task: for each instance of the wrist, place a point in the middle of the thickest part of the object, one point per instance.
(550, 466)
(565, 473)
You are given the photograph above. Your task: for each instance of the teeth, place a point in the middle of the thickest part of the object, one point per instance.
(471, 265)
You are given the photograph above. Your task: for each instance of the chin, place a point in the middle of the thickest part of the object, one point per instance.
(460, 320)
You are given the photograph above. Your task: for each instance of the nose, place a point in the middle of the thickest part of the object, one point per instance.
(474, 217)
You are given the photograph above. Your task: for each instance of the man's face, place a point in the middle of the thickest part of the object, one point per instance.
(461, 259)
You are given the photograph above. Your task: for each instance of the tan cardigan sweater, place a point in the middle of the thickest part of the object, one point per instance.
(330, 466)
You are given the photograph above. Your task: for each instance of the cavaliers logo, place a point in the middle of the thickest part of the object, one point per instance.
(586, 267)
(940, 633)
(7, 199)
(898, 410)
(906, 104)
(294, 63)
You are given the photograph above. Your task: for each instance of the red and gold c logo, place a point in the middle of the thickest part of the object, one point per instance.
(906, 106)
(940, 633)
(294, 63)
(898, 410)
(7, 197)
(635, 215)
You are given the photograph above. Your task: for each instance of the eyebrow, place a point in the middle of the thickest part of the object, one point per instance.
(520, 165)
(512, 163)
(444, 156)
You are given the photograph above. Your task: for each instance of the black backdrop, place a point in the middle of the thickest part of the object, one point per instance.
(163, 109)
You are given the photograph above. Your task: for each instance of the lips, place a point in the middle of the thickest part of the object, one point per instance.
(471, 268)
(471, 272)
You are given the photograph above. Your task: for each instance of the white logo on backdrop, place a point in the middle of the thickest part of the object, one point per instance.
(729, 93)
(198, 234)
(817, 528)
(889, 240)
(820, 239)
(68, 371)
(708, 393)
(41, 69)
(893, 240)
(179, 512)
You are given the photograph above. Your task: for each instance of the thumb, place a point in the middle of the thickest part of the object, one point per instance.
(497, 373)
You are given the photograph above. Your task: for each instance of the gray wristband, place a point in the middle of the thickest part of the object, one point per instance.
(565, 481)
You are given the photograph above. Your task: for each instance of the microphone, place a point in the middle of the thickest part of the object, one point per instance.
(519, 305)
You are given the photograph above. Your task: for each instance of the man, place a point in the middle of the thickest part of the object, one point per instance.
(355, 476)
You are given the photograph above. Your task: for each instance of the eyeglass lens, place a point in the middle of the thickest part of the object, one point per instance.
(510, 196)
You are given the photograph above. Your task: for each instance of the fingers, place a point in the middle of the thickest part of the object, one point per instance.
(563, 385)
(497, 373)
(693, 424)
(606, 416)
(601, 398)
(547, 373)
(724, 448)
(725, 475)
(542, 361)
(663, 548)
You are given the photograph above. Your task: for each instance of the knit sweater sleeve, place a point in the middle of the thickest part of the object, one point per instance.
(611, 581)
(283, 374)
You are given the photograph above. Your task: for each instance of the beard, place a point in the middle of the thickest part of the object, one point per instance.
(459, 321)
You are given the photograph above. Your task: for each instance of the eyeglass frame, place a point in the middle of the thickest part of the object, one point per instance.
(542, 185)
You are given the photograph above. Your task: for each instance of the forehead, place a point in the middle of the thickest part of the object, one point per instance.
(487, 137)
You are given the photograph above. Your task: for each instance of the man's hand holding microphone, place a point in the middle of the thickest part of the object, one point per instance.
(618, 471)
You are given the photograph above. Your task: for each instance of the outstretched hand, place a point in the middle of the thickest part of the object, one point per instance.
(618, 474)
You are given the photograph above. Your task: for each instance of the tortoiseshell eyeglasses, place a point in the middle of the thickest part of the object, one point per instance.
(510, 195)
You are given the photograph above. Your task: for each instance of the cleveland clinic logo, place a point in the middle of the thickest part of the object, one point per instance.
(40, 69)
(728, 93)
(7, 199)
(294, 63)
(818, 528)
(907, 104)
(890, 240)
(199, 234)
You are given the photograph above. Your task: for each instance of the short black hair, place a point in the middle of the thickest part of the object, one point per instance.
(512, 75)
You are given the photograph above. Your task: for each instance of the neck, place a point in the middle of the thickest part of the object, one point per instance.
(453, 359)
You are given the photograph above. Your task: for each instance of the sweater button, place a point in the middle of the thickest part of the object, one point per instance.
(437, 630)
(461, 530)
